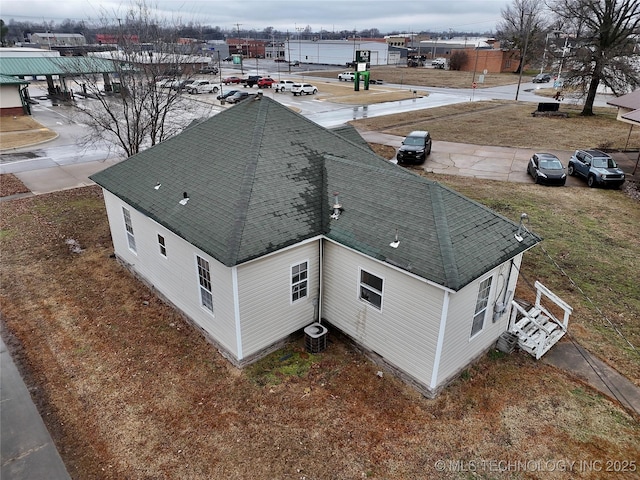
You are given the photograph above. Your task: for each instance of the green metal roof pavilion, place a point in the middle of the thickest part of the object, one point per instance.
(62, 66)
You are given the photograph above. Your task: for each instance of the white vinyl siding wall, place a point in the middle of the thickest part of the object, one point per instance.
(264, 290)
(404, 332)
(175, 276)
(459, 348)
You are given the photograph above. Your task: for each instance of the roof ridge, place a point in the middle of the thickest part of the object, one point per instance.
(443, 234)
(246, 186)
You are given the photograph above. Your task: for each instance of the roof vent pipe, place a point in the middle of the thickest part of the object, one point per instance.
(396, 242)
(521, 228)
(337, 208)
(185, 198)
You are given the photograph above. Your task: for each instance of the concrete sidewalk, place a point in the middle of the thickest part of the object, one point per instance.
(27, 451)
(572, 358)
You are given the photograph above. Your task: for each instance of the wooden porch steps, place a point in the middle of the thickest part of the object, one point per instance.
(536, 328)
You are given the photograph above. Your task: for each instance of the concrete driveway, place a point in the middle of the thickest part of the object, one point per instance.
(478, 161)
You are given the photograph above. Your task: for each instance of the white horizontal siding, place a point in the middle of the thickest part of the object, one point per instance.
(404, 332)
(264, 290)
(458, 348)
(176, 276)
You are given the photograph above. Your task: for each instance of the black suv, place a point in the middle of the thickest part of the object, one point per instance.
(597, 167)
(415, 147)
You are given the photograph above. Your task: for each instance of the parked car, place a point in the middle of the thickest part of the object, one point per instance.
(280, 60)
(228, 59)
(597, 167)
(295, 63)
(346, 76)
(266, 82)
(546, 169)
(415, 147)
(439, 63)
(209, 69)
(181, 84)
(251, 80)
(225, 95)
(232, 79)
(202, 86)
(374, 81)
(542, 78)
(238, 96)
(306, 88)
(284, 85)
(164, 83)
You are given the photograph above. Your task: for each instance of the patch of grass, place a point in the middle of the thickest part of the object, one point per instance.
(6, 234)
(280, 366)
(495, 354)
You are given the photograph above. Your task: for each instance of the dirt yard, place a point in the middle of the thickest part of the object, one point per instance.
(131, 391)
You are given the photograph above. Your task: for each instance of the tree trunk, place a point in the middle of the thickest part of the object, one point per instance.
(587, 109)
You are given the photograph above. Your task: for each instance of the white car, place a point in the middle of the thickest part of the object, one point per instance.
(306, 88)
(202, 86)
(346, 76)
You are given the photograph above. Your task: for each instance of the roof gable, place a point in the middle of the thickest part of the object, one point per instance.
(260, 177)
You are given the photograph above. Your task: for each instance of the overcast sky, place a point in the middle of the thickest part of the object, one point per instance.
(283, 15)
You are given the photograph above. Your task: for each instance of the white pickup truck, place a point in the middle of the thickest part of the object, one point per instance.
(202, 86)
(283, 85)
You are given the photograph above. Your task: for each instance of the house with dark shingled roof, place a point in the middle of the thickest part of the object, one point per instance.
(255, 234)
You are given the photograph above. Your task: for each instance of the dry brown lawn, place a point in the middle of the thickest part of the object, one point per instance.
(129, 390)
(22, 130)
(510, 124)
(11, 185)
(428, 77)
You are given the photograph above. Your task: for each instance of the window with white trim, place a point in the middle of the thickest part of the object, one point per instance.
(481, 306)
(162, 245)
(371, 289)
(299, 281)
(204, 279)
(129, 227)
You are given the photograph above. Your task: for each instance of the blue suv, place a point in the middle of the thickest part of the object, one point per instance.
(597, 167)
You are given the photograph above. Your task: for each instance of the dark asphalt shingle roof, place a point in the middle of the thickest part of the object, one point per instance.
(261, 177)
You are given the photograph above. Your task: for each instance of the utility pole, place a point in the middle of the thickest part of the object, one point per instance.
(241, 50)
(524, 54)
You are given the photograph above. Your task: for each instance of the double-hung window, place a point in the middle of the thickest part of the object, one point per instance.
(162, 245)
(129, 227)
(371, 289)
(204, 278)
(299, 281)
(481, 306)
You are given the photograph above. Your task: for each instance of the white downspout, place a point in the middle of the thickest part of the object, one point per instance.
(443, 322)
(320, 277)
(236, 311)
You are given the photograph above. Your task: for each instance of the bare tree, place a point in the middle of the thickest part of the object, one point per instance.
(132, 107)
(605, 49)
(523, 21)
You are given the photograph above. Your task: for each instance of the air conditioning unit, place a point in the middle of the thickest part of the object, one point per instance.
(315, 338)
